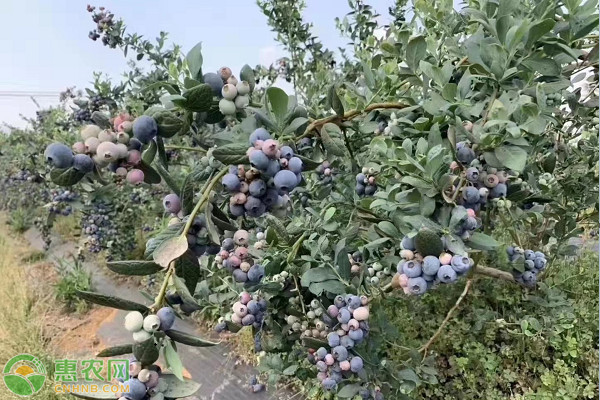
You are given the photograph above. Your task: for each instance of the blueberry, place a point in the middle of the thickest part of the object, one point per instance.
(471, 194)
(539, 254)
(339, 302)
(145, 128)
(339, 353)
(256, 273)
(356, 335)
(237, 210)
(529, 265)
(239, 275)
(173, 298)
(231, 182)
(321, 353)
(429, 278)
(271, 197)
(540, 263)
(285, 181)
(259, 134)
(257, 188)
(465, 155)
(83, 163)
(356, 364)
(446, 274)
(510, 250)
(287, 152)
(344, 316)
(460, 264)
(360, 189)
(333, 339)
(529, 255)
(273, 168)
(167, 318)
(498, 191)
(408, 243)
(411, 268)
(259, 160)
(59, 155)
(370, 190)
(214, 81)
(135, 144)
(347, 342)
(470, 223)
(417, 285)
(252, 306)
(529, 278)
(295, 165)
(354, 302)
(329, 384)
(137, 389)
(171, 203)
(431, 265)
(472, 174)
(228, 244)
(254, 207)
(248, 320)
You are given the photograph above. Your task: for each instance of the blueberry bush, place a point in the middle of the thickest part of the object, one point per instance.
(446, 149)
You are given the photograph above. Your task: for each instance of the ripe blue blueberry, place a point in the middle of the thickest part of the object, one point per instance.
(460, 263)
(248, 320)
(539, 254)
(259, 134)
(417, 285)
(360, 189)
(239, 275)
(370, 190)
(446, 274)
(529, 265)
(256, 273)
(231, 182)
(237, 210)
(286, 152)
(228, 244)
(539, 263)
(259, 160)
(329, 384)
(252, 306)
(83, 163)
(339, 301)
(254, 207)
(167, 318)
(321, 366)
(214, 81)
(285, 181)
(339, 353)
(361, 178)
(498, 191)
(257, 188)
(171, 203)
(529, 255)
(408, 243)
(431, 265)
(273, 168)
(470, 223)
(145, 128)
(321, 353)
(529, 278)
(137, 389)
(411, 268)
(295, 165)
(353, 302)
(472, 174)
(471, 194)
(59, 155)
(344, 316)
(347, 342)
(271, 197)
(356, 364)
(429, 278)
(333, 339)
(356, 335)
(465, 155)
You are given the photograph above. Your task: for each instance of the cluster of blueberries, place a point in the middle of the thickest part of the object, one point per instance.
(274, 173)
(233, 94)
(384, 127)
(311, 324)
(235, 258)
(114, 149)
(197, 236)
(146, 383)
(104, 20)
(60, 200)
(365, 182)
(416, 274)
(325, 173)
(467, 224)
(535, 262)
(21, 190)
(486, 182)
(337, 363)
(249, 310)
(98, 227)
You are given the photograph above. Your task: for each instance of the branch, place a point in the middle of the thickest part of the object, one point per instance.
(447, 319)
(202, 200)
(173, 147)
(494, 273)
(315, 125)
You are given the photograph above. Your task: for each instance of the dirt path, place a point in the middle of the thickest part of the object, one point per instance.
(222, 376)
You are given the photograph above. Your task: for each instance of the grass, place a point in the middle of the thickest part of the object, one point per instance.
(73, 277)
(20, 220)
(21, 330)
(67, 227)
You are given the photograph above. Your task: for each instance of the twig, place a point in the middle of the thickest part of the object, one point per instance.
(447, 319)
(494, 273)
(163, 289)
(188, 148)
(299, 294)
(202, 200)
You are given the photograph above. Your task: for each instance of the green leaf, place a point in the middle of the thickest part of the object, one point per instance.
(544, 65)
(184, 292)
(234, 153)
(349, 391)
(66, 176)
(174, 363)
(332, 286)
(187, 267)
(334, 101)
(213, 234)
(308, 163)
(512, 157)
(415, 52)
(481, 241)
(341, 259)
(170, 250)
(294, 125)
(168, 178)
(190, 183)
(128, 267)
(369, 78)
(111, 301)
(146, 352)
(150, 152)
(164, 164)
(101, 119)
(177, 389)
(278, 100)
(169, 124)
(319, 274)
(538, 30)
(150, 174)
(164, 234)
(194, 61)
(199, 98)
(188, 339)
(275, 224)
(331, 137)
(116, 351)
(419, 222)
(389, 229)
(416, 182)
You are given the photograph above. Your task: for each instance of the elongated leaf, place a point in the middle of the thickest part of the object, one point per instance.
(278, 227)
(134, 267)
(234, 153)
(101, 119)
(170, 250)
(331, 136)
(194, 61)
(278, 100)
(247, 74)
(512, 157)
(349, 391)
(184, 292)
(213, 234)
(177, 389)
(162, 155)
(110, 301)
(334, 101)
(308, 164)
(415, 52)
(165, 234)
(538, 30)
(481, 241)
(150, 174)
(168, 123)
(116, 351)
(66, 176)
(341, 259)
(150, 152)
(294, 125)
(188, 268)
(319, 274)
(174, 363)
(146, 352)
(189, 339)
(168, 178)
(190, 183)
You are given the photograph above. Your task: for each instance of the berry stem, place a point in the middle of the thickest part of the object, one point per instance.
(202, 200)
(299, 294)
(163, 289)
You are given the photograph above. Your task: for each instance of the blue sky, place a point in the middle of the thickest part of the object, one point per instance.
(44, 45)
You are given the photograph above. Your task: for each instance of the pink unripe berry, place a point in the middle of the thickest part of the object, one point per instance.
(232, 80)
(403, 280)
(134, 157)
(407, 254)
(470, 212)
(329, 359)
(241, 252)
(353, 324)
(345, 365)
(245, 297)
(224, 254)
(371, 180)
(239, 309)
(361, 314)
(236, 319)
(135, 176)
(244, 187)
(283, 162)
(453, 165)
(91, 144)
(333, 311)
(78, 147)
(126, 126)
(406, 290)
(445, 258)
(258, 144)
(135, 368)
(327, 171)
(121, 171)
(355, 269)
(269, 147)
(225, 73)
(238, 198)
(234, 261)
